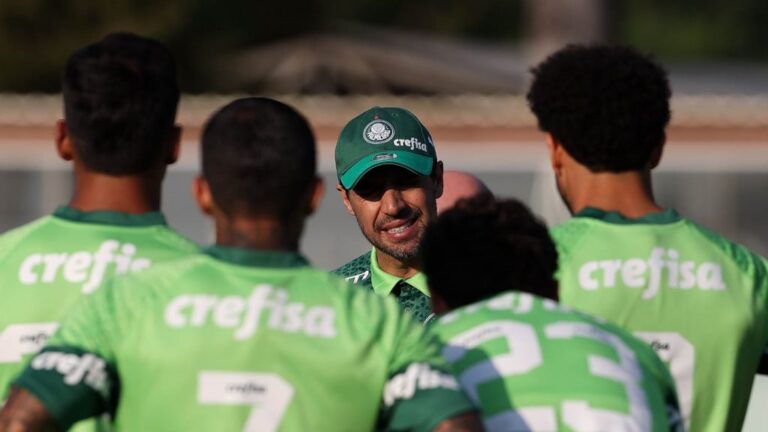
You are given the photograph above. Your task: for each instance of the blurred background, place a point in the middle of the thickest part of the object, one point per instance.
(461, 66)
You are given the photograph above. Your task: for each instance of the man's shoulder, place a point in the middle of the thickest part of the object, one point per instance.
(357, 271)
(175, 240)
(745, 259)
(10, 239)
(570, 230)
(25, 229)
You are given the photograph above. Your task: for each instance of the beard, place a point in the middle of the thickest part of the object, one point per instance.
(405, 252)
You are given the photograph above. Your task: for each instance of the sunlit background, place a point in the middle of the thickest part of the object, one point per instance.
(461, 66)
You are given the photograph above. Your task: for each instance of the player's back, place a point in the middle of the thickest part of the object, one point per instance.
(698, 299)
(531, 364)
(49, 264)
(247, 340)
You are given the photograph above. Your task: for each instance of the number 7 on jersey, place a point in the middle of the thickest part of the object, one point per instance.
(268, 394)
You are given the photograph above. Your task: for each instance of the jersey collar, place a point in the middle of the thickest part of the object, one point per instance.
(109, 217)
(256, 258)
(383, 282)
(665, 217)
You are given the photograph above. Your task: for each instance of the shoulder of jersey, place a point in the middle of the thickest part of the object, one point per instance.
(165, 272)
(566, 234)
(177, 240)
(13, 237)
(746, 260)
(357, 270)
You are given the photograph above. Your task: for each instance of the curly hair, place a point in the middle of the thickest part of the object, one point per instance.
(607, 105)
(482, 247)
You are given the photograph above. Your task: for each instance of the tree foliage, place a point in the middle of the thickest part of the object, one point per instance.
(36, 36)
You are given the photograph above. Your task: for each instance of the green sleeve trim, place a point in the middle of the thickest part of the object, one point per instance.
(71, 383)
(427, 410)
(419, 397)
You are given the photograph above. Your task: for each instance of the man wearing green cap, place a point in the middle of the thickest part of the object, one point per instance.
(389, 180)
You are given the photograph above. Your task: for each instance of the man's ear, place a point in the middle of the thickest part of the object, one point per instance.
(174, 145)
(657, 152)
(317, 190)
(63, 141)
(437, 179)
(201, 191)
(345, 198)
(556, 154)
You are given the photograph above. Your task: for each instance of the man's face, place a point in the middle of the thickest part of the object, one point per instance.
(393, 206)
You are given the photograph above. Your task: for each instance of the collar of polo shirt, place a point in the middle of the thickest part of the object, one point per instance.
(383, 282)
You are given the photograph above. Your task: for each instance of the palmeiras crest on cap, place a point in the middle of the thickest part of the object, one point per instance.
(378, 132)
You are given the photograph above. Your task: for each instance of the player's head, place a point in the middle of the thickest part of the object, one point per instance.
(389, 178)
(258, 161)
(602, 107)
(459, 185)
(482, 247)
(120, 100)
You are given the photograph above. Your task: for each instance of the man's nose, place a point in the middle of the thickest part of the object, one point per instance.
(392, 202)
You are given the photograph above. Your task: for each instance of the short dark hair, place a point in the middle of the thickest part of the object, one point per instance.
(258, 156)
(120, 100)
(607, 105)
(483, 247)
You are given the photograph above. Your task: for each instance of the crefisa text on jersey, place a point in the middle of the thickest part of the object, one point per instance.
(649, 273)
(81, 266)
(244, 314)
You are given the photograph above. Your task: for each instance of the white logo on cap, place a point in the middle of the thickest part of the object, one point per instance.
(378, 132)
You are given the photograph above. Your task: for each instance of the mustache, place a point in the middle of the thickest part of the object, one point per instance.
(409, 215)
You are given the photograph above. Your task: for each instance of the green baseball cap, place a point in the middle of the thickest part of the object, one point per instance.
(383, 136)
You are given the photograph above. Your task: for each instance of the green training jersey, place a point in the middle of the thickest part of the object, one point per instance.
(531, 364)
(412, 294)
(698, 299)
(49, 264)
(243, 340)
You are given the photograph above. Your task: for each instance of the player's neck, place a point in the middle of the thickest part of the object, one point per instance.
(628, 193)
(133, 194)
(396, 267)
(263, 233)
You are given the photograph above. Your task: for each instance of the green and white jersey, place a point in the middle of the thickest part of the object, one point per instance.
(49, 264)
(243, 340)
(531, 364)
(698, 299)
(412, 294)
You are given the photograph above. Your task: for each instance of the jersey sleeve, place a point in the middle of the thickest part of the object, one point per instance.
(565, 236)
(420, 392)
(675, 421)
(761, 279)
(74, 375)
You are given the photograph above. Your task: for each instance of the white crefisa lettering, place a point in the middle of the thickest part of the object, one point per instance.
(663, 268)
(411, 143)
(244, 315)
(85, 267)
(75, 369)
(418, 376)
